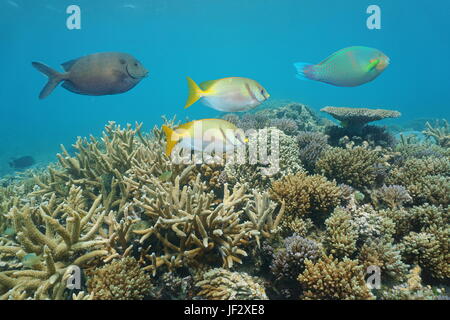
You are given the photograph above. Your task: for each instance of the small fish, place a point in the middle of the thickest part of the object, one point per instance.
(9, 231)
(95, 75)
(31, 259)
(229, 94)
(22, 162)
(205, 135)
(349, 67)
(165, 176)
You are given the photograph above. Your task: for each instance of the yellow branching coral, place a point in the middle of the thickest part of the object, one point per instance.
(188, 224)
(305, 194)
(122, 279)
(62, 235)
(330, 279)
(222, 284)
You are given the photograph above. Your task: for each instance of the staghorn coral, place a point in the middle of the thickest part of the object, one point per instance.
(289, 262)
(392, 196)
(188, 224)
(341, 234)
(330, 279)
(440, 134)
(356, 118)
(306, 195)
(222, 284)
(121, 279)
(356, 167)
(371, 224)
(62, 235)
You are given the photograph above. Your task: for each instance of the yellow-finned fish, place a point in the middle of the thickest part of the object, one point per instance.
(349, 67)
(229, 94)
(205, 135)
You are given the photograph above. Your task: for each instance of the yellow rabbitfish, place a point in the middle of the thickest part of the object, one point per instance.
(229, 94)
(205, 135)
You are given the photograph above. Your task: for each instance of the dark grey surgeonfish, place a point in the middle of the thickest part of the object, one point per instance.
(96, 74)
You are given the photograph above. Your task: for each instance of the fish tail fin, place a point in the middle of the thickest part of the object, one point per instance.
(171, 139)
(304, 70)
(195, 93)
(54, 78)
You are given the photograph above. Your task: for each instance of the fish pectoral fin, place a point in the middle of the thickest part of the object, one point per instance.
(373, 64)
(68, 65)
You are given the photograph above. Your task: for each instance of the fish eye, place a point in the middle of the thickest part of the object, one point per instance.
(135, 64)
(262, 91)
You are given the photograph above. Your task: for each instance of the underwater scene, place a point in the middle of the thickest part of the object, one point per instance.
(224, 150)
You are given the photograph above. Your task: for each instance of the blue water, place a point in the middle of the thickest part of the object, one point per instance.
(210, 39)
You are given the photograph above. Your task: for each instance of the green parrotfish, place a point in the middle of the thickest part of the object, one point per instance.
(349, 67)
(96, 74)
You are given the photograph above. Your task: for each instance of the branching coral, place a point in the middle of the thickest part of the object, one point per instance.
(329, 278)
(289, 262)
(121, 279)
(188, 224)
(311, 146)
(306, 194)
(341, 234)
(441, 134)
(430, 250)
(270, 154)
(356, 167)
(426, 179)
(386, 256)
(393, 196)
(62, 234)
(222, 284)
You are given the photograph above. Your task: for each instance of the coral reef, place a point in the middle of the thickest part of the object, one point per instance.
(311, 146)
(330, 279)
(289, 262)
(357, 167)
(440, 134)
(282, 158)
(142, 226)
(307, 195)
(121, 279)
(222, 284)
(426, 179)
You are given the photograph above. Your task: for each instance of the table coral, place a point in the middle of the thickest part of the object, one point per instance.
(331, 279)
(357, 118)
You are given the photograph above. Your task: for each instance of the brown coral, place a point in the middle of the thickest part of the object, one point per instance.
(305, 194)
(330, 279)
(121, 279)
